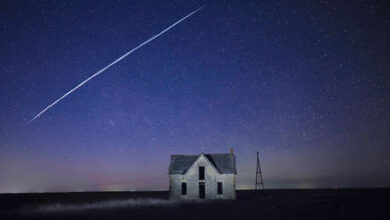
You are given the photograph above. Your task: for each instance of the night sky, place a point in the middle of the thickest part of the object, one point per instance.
(305, 83)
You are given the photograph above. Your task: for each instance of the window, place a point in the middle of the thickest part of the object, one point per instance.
(184, 188)
(220, 188)
(202, 190)
(201, 173)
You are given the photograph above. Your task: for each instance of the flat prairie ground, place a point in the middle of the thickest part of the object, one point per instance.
(270, 204)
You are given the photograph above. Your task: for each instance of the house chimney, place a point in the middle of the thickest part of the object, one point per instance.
(231, 151)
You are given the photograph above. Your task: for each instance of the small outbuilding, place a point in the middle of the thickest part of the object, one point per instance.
(203, 176)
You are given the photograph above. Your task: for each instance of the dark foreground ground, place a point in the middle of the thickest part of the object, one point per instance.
(275, 204)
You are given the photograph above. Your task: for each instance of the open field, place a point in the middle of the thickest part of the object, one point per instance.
(275, 204)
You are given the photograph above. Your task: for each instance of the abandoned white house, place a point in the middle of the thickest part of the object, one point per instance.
(204, 176)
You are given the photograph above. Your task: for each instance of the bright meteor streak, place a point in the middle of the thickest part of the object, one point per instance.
(116, 61)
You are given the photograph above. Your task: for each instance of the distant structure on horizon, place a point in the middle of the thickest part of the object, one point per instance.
(204, 176)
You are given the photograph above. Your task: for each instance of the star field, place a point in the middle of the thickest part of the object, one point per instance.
(304, 83)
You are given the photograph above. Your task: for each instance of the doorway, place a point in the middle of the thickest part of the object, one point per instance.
(202, 193)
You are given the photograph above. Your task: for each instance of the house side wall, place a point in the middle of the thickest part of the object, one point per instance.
(212, 177)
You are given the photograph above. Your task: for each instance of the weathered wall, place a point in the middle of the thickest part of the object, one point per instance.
(211, 178)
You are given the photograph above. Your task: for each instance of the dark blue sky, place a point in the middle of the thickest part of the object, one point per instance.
(304, 83)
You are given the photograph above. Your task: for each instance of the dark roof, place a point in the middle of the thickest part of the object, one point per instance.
(224, 163)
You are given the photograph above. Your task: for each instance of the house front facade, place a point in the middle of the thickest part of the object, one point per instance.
(203, 176)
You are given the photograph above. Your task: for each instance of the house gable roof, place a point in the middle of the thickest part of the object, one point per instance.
(224, 163)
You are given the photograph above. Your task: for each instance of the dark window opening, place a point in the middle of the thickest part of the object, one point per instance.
(220, 188)
(184, 188)
(201, 173)
(202, 190)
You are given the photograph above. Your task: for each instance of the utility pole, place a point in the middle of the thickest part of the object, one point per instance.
(259, 178)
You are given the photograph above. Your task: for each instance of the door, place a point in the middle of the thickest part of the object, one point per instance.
(202, 189)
